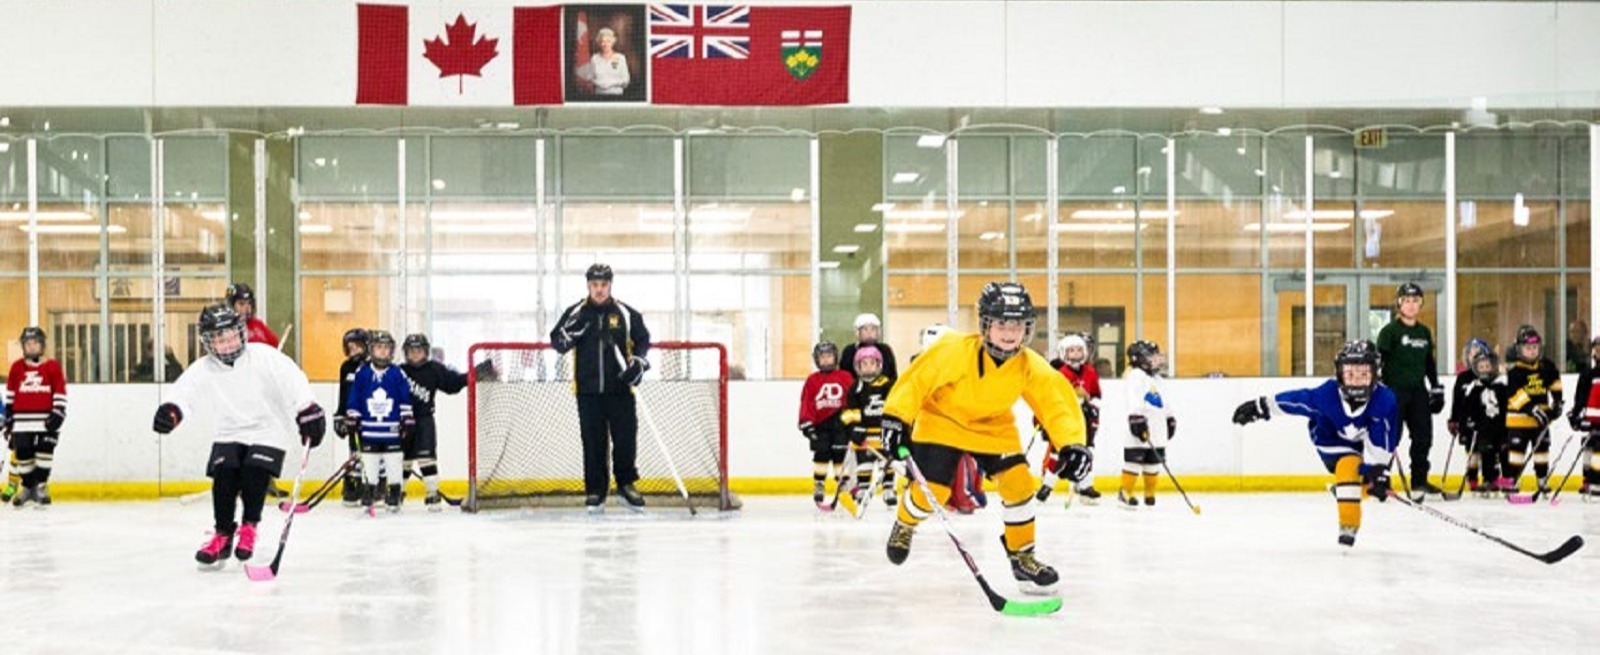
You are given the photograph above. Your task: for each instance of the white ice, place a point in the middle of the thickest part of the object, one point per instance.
(1252, 574)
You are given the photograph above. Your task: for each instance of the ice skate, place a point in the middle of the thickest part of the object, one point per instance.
(1033, 576)
(215, 552)
(369, 499)
(594, 505)
(1347, 536)
(41, 495)
(23, 496)
(434, 502)
(1089, 496)
(9, 493)
(1149, 501)
(1126, 502)
(247, 542)
(631, 497)
(889, 498)
(900, 541)
(819, 495)
(393, 499)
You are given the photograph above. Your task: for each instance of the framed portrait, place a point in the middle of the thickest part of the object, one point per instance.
(605, 53)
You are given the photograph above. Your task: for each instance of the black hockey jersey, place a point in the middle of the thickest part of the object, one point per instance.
(1530, 386)
(863, 412)
(847, 359)
(347, 376)
(1481, 409)
(1458, 398)
(428, 378)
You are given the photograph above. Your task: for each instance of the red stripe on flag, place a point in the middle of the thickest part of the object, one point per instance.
(381, 67)
(765, 78)
(536, 56)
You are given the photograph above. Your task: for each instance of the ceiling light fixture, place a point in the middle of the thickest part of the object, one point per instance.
(931, 141)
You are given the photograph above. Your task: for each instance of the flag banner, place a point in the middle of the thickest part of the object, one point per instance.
(749, 55)
(606, 59)
(472, 56)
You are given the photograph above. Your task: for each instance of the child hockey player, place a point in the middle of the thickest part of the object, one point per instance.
(863, 415)
(242, 299)
(1072, 359)
(1477, 421)
(1465, 377)
(379, 408)
(258, 397)
(36, 406)
(355, 354)
(966, 491)
(1150, 423)
(1534, 386)
(1352, 421)
(427, 378)
(1585, 419)
(869, 331)
(959, 394)
(821, 400)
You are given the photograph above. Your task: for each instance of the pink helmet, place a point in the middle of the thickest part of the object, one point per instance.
(868, 352)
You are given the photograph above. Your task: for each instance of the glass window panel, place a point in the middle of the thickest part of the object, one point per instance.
(1502, 164)
(1097, 166)
(1222, 167)
(351, 236)
(983, 235)
(1496, 234)
(196, 236)
(1100, 305)
(1216, 234)
(1399, 233)
(912, 170)
(749, 167)
(469, 309)
(13, 169)
(982, 166)
(1152, 320)
(1575, 167)
(484, 236)
(751, 236)
(128, 167)
(1330, 319)
(132, 355)
(1576, 349)
(69, 237)
(331, 305)
(69, 169)
(1219, 325)
(1491, 306)
(764, 320)
(628, 236)
(483, 167)
(359, 167)
(639, 167)
(195, 168)
(1032, 234)
(69, 312)
(915, 302)
(1332, 160)
(1333, 231)
(915, 238)
(1096, 234)
(1410, 166)
(1578, 235)
(1028, 166)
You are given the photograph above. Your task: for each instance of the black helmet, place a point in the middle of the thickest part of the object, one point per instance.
(32, 332)
(356, 335)
(825, 347)
(417, 340)
(217, 320)
(1004, 301)
(1526, 335)
(597, 272)
(1360, 351)
(1409, 289)
(381, 338)
(1142, 355)
(240, 291)
(1494, 365)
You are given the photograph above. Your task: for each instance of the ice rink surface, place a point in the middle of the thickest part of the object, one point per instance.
(1253, 574)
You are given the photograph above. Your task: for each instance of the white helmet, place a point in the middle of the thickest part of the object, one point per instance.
(932, 333)
(863, 320)
(1067, 341)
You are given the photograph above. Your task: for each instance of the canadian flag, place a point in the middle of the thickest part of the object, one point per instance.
(443, 55)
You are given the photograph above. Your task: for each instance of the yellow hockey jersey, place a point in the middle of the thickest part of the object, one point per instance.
(958, 397)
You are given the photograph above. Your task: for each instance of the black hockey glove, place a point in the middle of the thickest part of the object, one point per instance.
(634, 373)
(1073, 462)
(895, 438)
(1139, 427)
(1172, 428)
(339, 427)
(168, 416)
(858, 436)
(1575, 419)
(408, 427)
(1436, 400)
(809, 431)
(1091, 416)
(574, 328)
(1542, 414)
(352, 422)
(1378, 484)
(313, 424)
(1251, 411)
(53, 423)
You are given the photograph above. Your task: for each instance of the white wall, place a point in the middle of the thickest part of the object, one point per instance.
(977, 53)
(107, 437)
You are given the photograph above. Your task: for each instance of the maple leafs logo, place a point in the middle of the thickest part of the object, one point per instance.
(461, 55)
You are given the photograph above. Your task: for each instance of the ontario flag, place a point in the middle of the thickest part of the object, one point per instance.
(439, 54)
(749, 55)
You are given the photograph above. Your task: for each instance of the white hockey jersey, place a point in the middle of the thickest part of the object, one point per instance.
(254, 402)
(1144, 399)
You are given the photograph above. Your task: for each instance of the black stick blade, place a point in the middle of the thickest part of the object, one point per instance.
(1560, 553)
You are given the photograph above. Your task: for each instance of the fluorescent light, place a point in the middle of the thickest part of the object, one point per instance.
(1114, 228)
(991, 236)
(74, 229)
(492, 228)
(68, 216)
(1120, 214)
(863, 228)
(913, 227)
(905, 178)
(305, 215)
(1224, 131)
(797, 194)
(1297, 227)
(5, 146)
(316, 229)
(1335, 174)
(214, 215)
(709, 214)
(5, 121)
(1119, 189)
(1032, 218)
(847, 249)
(1337, 214)
(920, 214)
(484, 214)
(1519, 211)
(1211, 111)
(883, 207)
(827, 264)
(930, 141)
(438, 184)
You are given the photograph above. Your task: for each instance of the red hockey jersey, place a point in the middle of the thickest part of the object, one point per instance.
(1086, 382)
(260, 333)
(824, 395)
(33, 391)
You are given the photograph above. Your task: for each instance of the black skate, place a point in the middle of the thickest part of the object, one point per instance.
(1089, 496)
(396, 494)
(631, 497)
(1126, 502)
(369, 499)
(215, 552)
(1347, 536)
(900, 541)
(434, 502)
(1033, 576)
(594, 504)
(350, 493)
(23, 496)
(1425, 487)
(41, 495)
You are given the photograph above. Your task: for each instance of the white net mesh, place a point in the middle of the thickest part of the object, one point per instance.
(524, 442)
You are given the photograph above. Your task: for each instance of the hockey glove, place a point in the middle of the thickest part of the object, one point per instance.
(1542, 414)
(1454, 427)
(339, 427)
(312, 425)
(1575, 419)
(1172, 428)
(634, 373)
(894, 437)
(1073, 462)
(408, 426)
(352, 422)
(1378, 484)
(53, 423)
(1251, 411)
(1436, 400)
(574, 329)
(1139, 427)
(809, 431)
(1091, 416)
(168, 416)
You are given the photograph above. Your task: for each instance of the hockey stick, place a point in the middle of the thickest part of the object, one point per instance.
(415, 472)
(270, 572)
(1472, 445)
(874, 483)
(1555, 498)
(644, 412)
(1000, 603)
(1539, 483)
(848, 469)
(1568, 547)
(1163, 459)
(315, 498)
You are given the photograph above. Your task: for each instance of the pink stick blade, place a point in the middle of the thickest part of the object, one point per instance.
(259, 573)
(1520, 499)
(299, 508)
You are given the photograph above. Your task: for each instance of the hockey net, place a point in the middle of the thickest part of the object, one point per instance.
(524, 447)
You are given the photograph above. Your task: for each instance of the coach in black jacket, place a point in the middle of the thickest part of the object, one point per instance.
(608, 342)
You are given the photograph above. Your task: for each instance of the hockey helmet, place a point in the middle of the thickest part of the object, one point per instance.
(357, 335)
(825, 348)
(1408, 290)
(1528, 335)
(216, 323)
(1067, 343)
(931, 334)
(32, 333)
(1004, 301)
(1360, 352)
(417, 341)
(598, 271)
(381, 338)
(1145, 356)
(1471, 350)
(240, 291)
(1485, 365)
(868, 353)
(864, 320)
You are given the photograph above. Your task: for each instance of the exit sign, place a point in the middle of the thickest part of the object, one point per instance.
(1375, 137)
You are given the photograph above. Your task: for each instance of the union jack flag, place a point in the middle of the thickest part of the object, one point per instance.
(696, 31)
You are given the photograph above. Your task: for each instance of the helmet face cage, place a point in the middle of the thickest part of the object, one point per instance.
(1005, 301)
(221, 326)
(1527, 336)
(1065, 347)
(381, 338)
(1485, 366)
(1473, 348)
(1353, 354)
(417, 341)
(35, 334)
(1146, 356)
(825, 348)
(869, 363)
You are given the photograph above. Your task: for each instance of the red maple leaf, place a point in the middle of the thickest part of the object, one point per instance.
(461, 56)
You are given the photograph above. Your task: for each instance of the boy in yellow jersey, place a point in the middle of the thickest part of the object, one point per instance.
(959, 393)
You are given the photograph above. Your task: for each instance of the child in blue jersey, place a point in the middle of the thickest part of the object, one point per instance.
(379, 407)
(1352, 425)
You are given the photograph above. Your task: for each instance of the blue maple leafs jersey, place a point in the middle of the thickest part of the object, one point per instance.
(1338, 430)
(381, 399)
